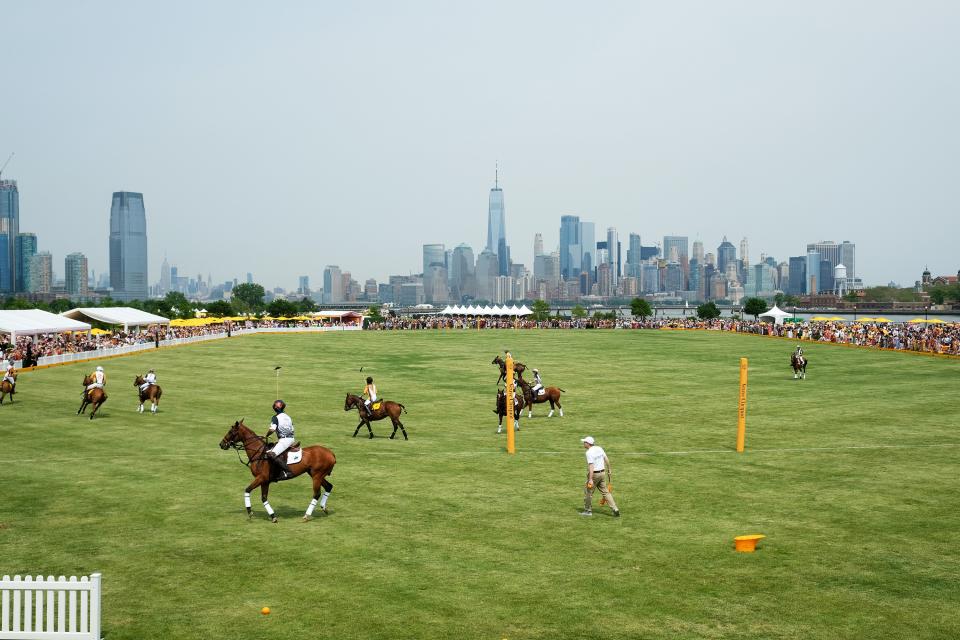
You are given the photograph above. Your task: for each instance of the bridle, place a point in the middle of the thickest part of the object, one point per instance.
(241, 445)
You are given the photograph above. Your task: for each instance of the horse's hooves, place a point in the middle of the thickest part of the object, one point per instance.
(274, 520)
(307, 518)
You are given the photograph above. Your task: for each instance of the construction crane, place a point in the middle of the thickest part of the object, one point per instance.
(5, 164)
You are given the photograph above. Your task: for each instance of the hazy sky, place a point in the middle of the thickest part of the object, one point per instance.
(277, 138)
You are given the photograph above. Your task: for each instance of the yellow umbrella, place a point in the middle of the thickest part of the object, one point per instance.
(936, 321)
(99, 332)
(819, 318)
(917, 321)
(881, 319)
(868, 319)
(837, 319)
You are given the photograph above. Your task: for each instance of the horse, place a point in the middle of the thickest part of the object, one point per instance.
(151, 393)
(316, 460)
(95, 397)
(518, 368)
(799, 364)
(501, 409)
(378, 411)
(550, 394)
(7, 389)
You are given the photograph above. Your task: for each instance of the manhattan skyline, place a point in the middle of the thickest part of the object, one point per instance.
(336, 135)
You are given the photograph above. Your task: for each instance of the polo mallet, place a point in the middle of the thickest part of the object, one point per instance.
(277, 371)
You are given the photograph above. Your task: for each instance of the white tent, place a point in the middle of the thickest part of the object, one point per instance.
(777, 314)
(32, 322)
(524, 311)
(123, 316)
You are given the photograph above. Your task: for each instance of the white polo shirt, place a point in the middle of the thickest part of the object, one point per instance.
(595, 455)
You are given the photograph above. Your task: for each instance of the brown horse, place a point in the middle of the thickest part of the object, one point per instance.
(799, 364)
(151, 393)
(550, 394)
(317, 461)
(501, 409)
(7, 389)
(381, 409)
(94, 397)
(518, 368)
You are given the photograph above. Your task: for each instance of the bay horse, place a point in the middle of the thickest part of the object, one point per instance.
(550, 394)
(7, 389)
(518, 368)
(799, 364)
(317, 461)
(501, 409)
(378, 411)
(151, 393)
(94, 397)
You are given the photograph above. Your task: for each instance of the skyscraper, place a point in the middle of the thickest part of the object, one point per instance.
(128, 246)
(332, 284)
(569, 247)
(632, 269)
(745, 253)
(698, 251)
(497, 227)
(433, 254)
(588, 253)
(813, 272)
(9, 229)
(613, 255)
(41, 273)
(75, 271)
(681, 244)
(26, 248)
(537, 244)
(462, 273)
(487, 272)
(726, 253)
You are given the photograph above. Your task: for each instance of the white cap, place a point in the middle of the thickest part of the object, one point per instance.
(588, 440)
(99, 368)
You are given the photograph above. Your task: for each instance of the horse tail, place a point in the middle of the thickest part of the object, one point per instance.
(561, 390)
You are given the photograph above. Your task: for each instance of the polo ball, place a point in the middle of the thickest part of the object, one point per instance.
(265, 611)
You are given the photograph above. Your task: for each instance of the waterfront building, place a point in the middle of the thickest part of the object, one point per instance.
(25, 249)
(433, 254)
(128, 246)
(570, 247)
(726, 253)
(497, 227)
(613, 255)
(75, 275)
(332, 284)
(9, 230)
(41, 273)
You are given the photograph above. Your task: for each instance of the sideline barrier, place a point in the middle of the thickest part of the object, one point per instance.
(113, 352)
(50, 608)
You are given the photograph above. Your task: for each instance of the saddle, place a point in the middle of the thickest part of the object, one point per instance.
(375, 406)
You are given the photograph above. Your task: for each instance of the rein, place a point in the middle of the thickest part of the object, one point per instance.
(257, 457)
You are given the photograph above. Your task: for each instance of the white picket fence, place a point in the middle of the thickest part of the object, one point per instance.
(50, 608)
(146, 346)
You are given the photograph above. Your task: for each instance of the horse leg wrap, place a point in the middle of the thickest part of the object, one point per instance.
(561, 413)
(269, 509)
(323, 499)
(327, 485)
(313, 505)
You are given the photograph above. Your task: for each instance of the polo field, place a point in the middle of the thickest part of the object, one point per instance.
(851, 474)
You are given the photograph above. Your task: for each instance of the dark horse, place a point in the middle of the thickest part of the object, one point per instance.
(7, 389)
(381, 409)
(317, 461)
(151, 393)
(518, 368)
(799, 364)
(501, 409)
(94, 397)
(550, 394)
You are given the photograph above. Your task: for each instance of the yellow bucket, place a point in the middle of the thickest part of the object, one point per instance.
(747, 544)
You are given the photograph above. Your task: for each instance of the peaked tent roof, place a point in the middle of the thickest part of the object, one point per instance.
(31, 322)
(777, 314)
(126, 316)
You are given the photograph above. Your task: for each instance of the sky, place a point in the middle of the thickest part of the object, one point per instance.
(277, 138)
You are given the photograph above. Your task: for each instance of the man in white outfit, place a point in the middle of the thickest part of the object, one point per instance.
(99, 380)
(597, 464)
(283, 426)
(149, 379)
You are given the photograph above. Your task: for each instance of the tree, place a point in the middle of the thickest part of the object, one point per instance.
(179, 304)
(220, 309)
(938, 294)
(708, 311)
(248, 296)
(541, 310)
(374, 314)
(306, 305)
(158, 307)
(60, 305)
(578, 312)
(282, 308)
(754, 306)
(640, 307)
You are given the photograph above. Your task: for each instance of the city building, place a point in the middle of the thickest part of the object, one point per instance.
(726, 253)
(435, 289)
(9, 230)
(488, 268)
(128, 246)
(433, 254)
(26, 247)
(632, 268)
(537, 244)
(570, 251)
(497, 227)
(462, 273)
(797, 284)
(613, 255)
(75, 275)
(303, 286)
(588, 255)
(41, 273)
(813, 272)
(332, 284)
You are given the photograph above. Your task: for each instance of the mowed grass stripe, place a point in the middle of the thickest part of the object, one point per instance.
(447, 536)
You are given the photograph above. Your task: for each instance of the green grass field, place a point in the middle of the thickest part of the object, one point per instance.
(852, 474)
